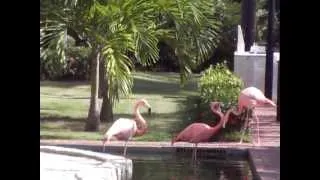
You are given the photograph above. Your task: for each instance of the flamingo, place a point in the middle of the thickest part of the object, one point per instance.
(249, 98)
(124, 129)
(200, 132)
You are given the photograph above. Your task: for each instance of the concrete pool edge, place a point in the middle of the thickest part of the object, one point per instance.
(165, 147)
(80, 153)
(109, 165)
(155, 145)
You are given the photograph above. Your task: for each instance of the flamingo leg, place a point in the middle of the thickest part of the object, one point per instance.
(258, 128)
(125, 152)
(103, 148)
(126, 143)
(125, 149)
(246, 119)
(195, 154)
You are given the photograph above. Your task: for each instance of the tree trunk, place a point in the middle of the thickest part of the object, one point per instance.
(102, 78)
(106, 114)
(248, 24)
(93, 120)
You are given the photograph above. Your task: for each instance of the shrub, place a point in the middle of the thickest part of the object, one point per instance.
(75, 67)
(218, 83)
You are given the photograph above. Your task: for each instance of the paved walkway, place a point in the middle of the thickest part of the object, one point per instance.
(266, 161)
(265, 158)
(269, 127)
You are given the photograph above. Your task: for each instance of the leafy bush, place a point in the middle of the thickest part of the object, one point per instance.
(74, 67)
(51, 67)
(218, 83)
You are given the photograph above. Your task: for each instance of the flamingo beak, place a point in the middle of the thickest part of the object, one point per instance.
(224, 123)
(149, 111)
(149, 108)
(216, 105)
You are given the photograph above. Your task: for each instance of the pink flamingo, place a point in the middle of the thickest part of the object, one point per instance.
(200, 132)
(124, 129)
(249, 98)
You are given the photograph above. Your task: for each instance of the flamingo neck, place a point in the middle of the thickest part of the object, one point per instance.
(227, 116)
(141, 122)
(220, 123)
(140, 131)
(269, 101)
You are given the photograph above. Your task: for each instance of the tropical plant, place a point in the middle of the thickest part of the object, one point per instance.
(115, 28)
(218, 83)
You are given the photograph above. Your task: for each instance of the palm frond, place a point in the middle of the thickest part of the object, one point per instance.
(196, 32)
(146, 44)
(53, 37)
(118, 67)
(135, 26)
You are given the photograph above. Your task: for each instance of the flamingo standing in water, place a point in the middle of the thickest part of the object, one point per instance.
(249, 98)
(124, 129)
(200, 132)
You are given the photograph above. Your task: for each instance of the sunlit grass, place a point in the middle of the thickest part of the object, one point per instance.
(64, 107)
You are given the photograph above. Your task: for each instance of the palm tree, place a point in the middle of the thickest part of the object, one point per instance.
(115, 28)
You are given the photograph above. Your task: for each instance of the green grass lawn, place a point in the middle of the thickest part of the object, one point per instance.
(64, 107)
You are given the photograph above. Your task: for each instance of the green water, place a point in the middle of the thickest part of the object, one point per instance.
(175, 168)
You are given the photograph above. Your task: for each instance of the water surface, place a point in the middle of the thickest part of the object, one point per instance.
(159, 167)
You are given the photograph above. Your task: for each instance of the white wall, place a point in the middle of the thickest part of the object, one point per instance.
(251, 69)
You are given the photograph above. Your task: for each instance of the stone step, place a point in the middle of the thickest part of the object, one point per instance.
(267, 134)
(273, 131)
(264, 139)
(266, 130)
(266, 123)
(265, 127)
(268, 140)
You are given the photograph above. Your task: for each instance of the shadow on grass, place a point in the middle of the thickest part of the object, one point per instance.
(142, 86)
(173, 123)
(63, 84)
(152, 117)
(77, 124)
(65, 96)
(150, 85)
(45, 109)
(61, 118)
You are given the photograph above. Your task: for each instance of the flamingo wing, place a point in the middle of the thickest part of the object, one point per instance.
(192, 131)
(253, 93)
(122, 128)
(202, 134)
